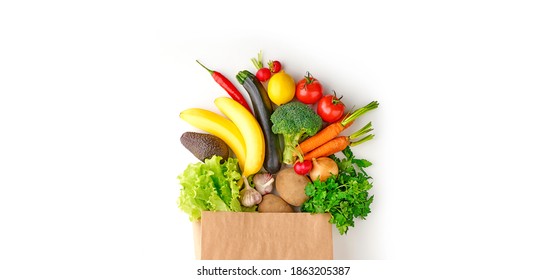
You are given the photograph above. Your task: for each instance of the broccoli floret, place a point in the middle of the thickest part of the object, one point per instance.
(296, 121)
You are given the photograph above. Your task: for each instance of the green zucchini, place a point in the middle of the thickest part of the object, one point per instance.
(263, 108)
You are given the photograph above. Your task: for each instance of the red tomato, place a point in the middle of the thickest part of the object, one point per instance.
(330, 108)
(309, 90)
(302, 167)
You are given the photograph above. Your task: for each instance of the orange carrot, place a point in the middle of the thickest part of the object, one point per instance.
(339, 143)
(333, 130)
(333, 146)
(323, 136)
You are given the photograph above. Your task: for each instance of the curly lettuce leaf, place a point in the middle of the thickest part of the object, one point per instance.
(209, 186)
(231, 190)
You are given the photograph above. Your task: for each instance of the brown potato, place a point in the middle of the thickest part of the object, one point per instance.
(291, 186)
(272, 203)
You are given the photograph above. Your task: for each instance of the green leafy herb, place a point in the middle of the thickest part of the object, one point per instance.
(344, 196)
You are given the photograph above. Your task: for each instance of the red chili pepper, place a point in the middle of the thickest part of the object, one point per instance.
(228, 87)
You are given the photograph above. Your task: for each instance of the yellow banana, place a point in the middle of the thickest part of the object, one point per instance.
(249, 128)
(218, 126)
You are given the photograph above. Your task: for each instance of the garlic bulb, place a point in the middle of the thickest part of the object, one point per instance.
(249, 196)
(263, 183)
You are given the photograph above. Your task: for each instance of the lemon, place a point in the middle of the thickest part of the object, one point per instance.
(281, 88)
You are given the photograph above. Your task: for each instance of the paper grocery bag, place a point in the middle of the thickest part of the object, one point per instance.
(263, 236)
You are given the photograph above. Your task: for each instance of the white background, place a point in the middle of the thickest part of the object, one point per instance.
(90, 94)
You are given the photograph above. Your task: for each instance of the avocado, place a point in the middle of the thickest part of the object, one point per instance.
(203, 145)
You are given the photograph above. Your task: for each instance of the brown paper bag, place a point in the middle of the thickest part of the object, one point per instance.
(263, 236)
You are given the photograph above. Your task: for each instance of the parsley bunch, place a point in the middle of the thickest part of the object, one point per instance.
(344, 196)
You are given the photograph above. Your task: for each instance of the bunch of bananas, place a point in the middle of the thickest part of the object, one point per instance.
(240, 130)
